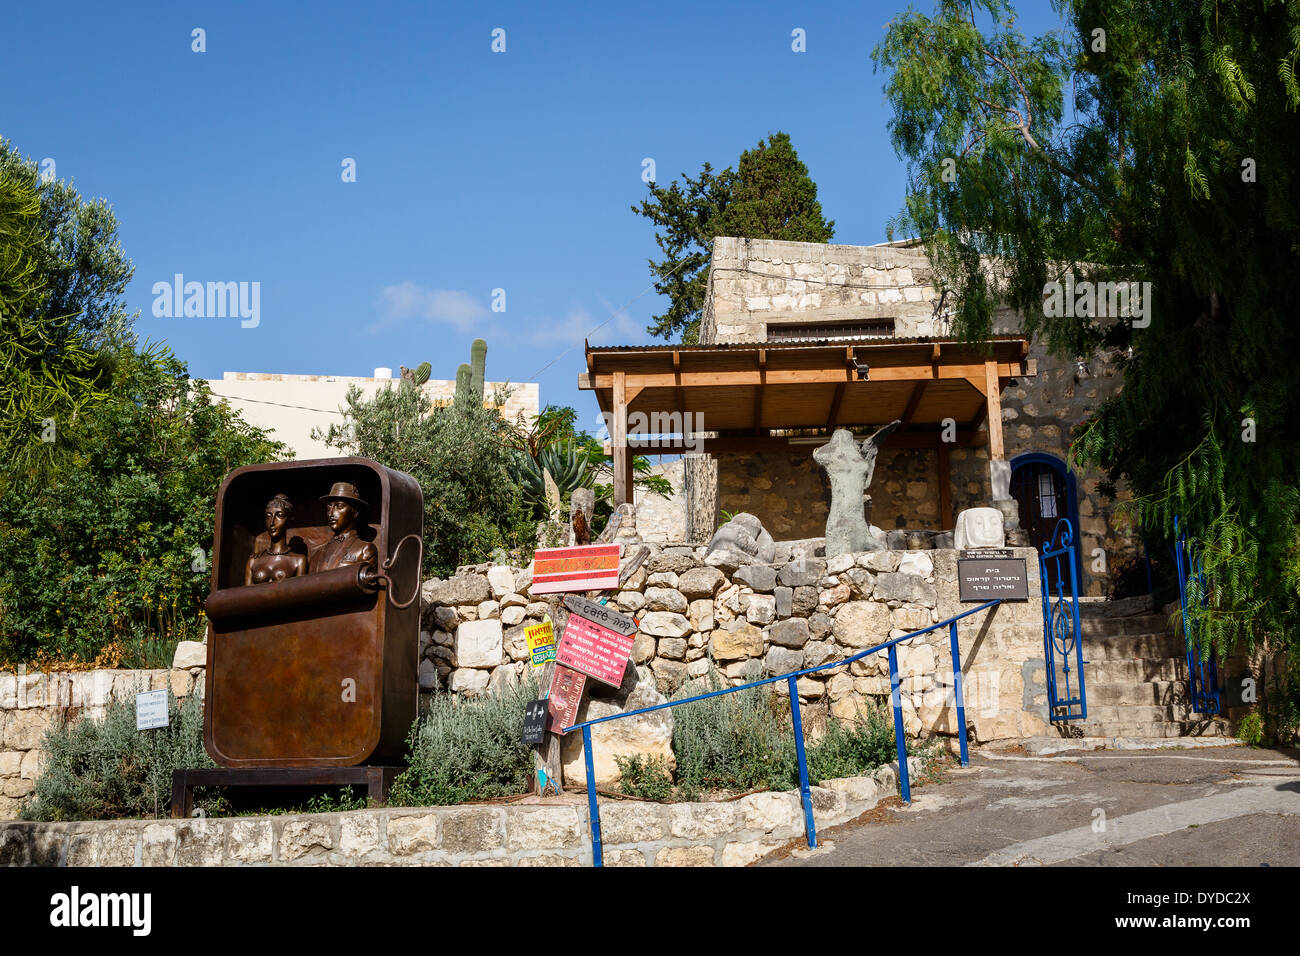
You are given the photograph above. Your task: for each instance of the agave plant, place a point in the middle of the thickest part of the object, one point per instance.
(569, 469)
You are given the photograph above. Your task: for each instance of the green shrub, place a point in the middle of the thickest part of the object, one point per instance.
(1251, 730)
(645, 775)
(105, 769)
(847, 750)
(468, 750)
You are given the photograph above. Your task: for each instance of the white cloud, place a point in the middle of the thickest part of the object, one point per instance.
(406, 300)
(578, 324)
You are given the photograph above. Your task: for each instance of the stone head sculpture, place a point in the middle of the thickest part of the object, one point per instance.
(850, 466)
(979, 528)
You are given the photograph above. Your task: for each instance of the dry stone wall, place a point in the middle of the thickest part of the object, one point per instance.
(757, 620)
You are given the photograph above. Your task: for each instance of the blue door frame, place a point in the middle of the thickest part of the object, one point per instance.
(1071, 496)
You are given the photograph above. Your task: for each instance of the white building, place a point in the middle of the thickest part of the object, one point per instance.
(290, 406)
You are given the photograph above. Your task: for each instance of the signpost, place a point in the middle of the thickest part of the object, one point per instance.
(585, 568)
(983, 575)
(566, 695)
(600, 614)
(151, 710)
(535, 714)
(541, 643)
(594, 650)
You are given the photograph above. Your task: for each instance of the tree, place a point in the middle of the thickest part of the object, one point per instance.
(56, 333)
(106, 555)
(771, 196)
(461, 458)
(1176, 169)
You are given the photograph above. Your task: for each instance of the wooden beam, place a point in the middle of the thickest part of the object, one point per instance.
(973, 373)
(945, 488)
(993, 397)
(679, 395)
(781, 443)
(913, 400)
(835, 405)
(758, 392)
(622, 474)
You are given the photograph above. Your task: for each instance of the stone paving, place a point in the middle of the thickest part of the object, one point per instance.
(1234, 806)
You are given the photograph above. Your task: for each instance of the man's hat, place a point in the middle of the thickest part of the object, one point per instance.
(344, 491)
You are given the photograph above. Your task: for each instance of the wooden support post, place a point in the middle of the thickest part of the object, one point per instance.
(945, 489)
(993, 399)
(547, 754)
(622, 462)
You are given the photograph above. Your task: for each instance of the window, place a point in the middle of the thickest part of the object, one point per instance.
(852, 331)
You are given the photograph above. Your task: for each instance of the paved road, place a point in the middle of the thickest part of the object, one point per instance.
(1231, 806)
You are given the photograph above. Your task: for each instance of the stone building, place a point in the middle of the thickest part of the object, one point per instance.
(798, 339)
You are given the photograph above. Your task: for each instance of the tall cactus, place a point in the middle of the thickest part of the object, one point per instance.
(462, 385)
(478, 363)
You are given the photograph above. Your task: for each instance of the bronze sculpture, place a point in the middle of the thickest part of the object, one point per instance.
(277, 560)
(343, 507)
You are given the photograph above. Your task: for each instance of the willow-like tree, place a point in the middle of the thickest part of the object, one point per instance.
(769, 196)
(1145, 141)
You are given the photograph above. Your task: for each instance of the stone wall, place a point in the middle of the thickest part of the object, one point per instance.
(554, 833)
(31, 704)
(758, 620)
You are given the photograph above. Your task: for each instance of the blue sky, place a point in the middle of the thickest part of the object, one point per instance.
(475, 170)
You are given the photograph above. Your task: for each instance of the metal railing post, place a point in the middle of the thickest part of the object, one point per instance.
(957, 691)
(594, 809)
(904, 785)
(804, 793)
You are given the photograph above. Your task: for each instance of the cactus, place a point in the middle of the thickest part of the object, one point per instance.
(478, 363)
(462, 385)
(423, 372)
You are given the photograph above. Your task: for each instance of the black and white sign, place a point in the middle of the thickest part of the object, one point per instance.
(600, 614)
(984, 579)
(535, 722)
(151, 709)
(992, 554)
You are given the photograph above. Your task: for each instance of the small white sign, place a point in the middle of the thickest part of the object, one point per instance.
(151, 709)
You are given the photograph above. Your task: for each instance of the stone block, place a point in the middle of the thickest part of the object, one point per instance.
(761, 609)
(468, 680)
(777, 813)
(743, 854)
(487, 609)
(792, 632)
(632, 823)
(158, 847)
(804, 601)
(703, 821)
(501, 580)
(301, 837)
(701, 614)
(669, 675)
(915, 562)
(11, 762)
(735, 643)
(861, 624)
(478, 644)
(782, 660)
(685, 856)
(473, 830)
(546, 828)
(201, 842)
(803, 572)
(250, 841)
(665, 624)
(31, 765)
(359, 832)
(23, 729)
(879, 562)
(624, 858)
(549, 860)
(701, 582)
(760, 577)
(784, 601)
(630, 601)
(906, 589)
(819, 624)
(665, 599)
(643, 648)
(410, 833)
(190, 654)
(462, 589)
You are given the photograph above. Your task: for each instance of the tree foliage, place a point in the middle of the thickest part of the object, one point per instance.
(106, 555)
(1147, 142)
(460, 455)
(769, 196)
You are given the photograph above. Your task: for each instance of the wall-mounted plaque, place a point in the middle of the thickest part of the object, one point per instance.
(535, 722)
(986, 579)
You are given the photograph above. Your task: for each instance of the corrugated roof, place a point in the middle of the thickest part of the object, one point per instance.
(775, 346)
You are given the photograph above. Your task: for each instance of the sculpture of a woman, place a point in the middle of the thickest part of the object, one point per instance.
(277, 561)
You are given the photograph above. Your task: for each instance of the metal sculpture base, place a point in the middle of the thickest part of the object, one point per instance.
(376, 780)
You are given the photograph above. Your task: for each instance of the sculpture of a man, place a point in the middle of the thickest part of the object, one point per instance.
(850, 467)
(343, 507)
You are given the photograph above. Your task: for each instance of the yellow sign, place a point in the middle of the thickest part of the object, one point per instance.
(541, 642)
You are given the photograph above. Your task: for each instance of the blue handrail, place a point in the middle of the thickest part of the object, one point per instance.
(793, 680)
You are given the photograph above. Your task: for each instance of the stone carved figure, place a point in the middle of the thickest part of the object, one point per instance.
(743, 540)
(850, 467)
(277, 561)
(343, 508)
(979, 528)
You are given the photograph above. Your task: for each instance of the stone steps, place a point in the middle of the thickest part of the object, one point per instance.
(1136, 693)
(1098, 627)
(1152, 646)
(1153, 728)
(1141, 670)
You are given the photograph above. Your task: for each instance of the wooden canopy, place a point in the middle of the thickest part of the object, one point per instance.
(743, 392)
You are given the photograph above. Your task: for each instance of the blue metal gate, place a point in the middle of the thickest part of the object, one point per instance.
(1202, 667)
(1062, 646)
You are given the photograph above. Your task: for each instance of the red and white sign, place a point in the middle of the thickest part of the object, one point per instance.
(592, 567)
(594, 650)
(565, 696)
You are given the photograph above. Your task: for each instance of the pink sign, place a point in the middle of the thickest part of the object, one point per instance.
(592, 567)
(594, 650)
